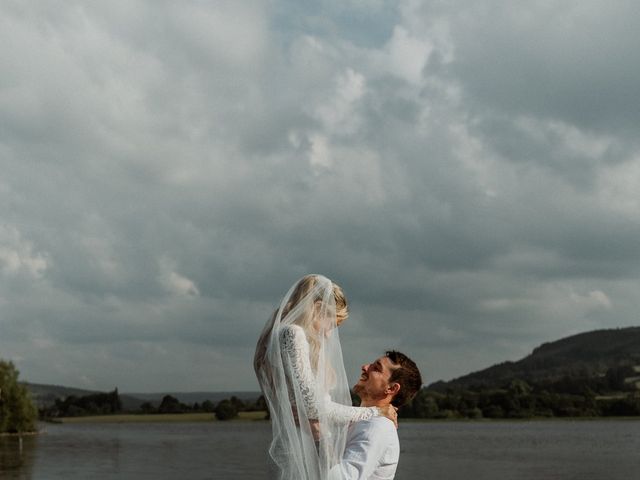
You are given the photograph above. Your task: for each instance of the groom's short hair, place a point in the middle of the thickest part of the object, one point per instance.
(405, 372)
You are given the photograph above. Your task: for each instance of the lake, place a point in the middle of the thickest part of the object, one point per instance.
(541, 450)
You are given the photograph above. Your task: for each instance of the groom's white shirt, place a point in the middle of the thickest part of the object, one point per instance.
(372, 451)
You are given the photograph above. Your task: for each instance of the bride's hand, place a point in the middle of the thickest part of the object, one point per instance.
(390, 412)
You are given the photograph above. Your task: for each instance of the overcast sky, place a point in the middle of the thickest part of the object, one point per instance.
(469, 172)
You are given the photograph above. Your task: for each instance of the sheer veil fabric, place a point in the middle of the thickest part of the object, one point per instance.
(299, 366)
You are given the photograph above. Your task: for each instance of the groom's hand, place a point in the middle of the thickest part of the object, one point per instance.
(314, 425)
(390, 412)
(315, 429)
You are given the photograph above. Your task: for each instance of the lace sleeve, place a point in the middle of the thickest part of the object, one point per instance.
(296, 348)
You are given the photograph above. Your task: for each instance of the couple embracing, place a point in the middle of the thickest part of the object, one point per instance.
(317, 434)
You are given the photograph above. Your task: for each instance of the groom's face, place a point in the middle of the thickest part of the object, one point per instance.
(374, 379)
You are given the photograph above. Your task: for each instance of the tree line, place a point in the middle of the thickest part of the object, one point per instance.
(110, 403)
(224, 410)
(78, 406)
(569, 396)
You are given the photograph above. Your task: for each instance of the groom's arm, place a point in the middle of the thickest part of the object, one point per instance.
(366, 447)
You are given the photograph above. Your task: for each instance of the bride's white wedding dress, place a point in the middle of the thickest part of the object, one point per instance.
(300, 369)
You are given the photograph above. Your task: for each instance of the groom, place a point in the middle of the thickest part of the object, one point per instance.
(373, 449)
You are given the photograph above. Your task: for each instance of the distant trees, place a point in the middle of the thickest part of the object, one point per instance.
(17, 411)
(171, 404)
(94, 404)
(147, 407)
(110, 403)
(226, 410)
(229, 408)
(223, 410)
(578, 392)
(207, 406)
(629, 406)
(518, 399)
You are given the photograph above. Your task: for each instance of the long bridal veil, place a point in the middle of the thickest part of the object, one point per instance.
(300, 369)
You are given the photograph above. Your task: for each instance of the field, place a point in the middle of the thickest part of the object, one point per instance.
(159, 418)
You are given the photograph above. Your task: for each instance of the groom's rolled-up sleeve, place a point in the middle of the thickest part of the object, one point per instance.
(362, 453)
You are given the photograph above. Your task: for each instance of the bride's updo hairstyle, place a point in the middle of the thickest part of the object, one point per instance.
(342, 307)
(305, 287)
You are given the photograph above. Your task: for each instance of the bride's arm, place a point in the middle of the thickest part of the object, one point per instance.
(296, 348)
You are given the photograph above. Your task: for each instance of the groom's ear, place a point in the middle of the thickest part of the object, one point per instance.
(393, 388)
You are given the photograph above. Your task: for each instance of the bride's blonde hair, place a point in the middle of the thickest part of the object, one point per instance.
(305, 286)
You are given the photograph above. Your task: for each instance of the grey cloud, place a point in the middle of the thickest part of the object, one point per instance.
(573, 62)
(178, 178)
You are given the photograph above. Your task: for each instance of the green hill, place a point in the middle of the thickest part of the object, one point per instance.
(589, 355)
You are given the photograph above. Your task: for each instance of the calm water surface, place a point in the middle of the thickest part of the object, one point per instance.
(584, 450)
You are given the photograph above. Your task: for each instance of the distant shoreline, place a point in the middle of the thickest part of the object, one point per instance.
(21, 434)
(261, 416)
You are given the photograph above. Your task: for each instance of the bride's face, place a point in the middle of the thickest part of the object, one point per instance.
(323, 323)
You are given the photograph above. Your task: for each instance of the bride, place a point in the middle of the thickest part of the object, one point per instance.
(298, 362)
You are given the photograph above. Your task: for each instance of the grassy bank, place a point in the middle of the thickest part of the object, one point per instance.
(257, 416)
(158, 418)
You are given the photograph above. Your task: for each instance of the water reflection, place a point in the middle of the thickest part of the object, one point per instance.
(238, 450)
(140, 451)
(17, 456)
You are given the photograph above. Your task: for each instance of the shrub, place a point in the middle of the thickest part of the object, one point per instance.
(226, 410)
(17, 411)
